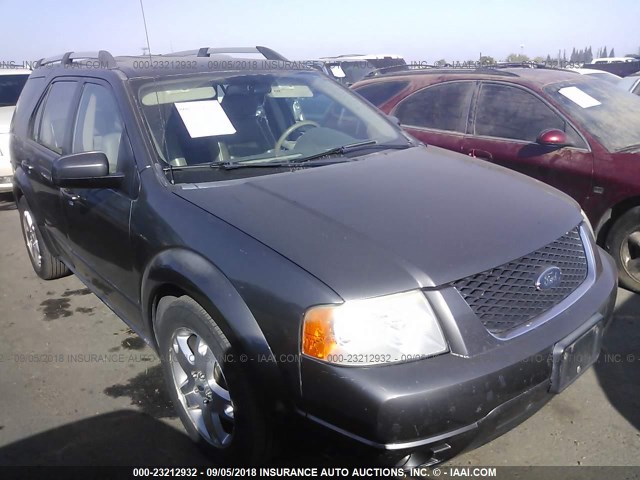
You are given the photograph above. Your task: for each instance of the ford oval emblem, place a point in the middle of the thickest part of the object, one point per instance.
(549, 278)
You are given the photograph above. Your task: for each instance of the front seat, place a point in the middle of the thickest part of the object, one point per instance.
(243, 109)
(182, 149)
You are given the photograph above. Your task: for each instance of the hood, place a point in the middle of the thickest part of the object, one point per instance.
(395, 220)
(6, 113)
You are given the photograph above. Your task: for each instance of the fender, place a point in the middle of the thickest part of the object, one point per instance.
(197, 277)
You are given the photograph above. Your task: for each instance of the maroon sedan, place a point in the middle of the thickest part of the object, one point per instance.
(573, 132)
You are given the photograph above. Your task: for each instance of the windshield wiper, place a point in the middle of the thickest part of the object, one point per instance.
(230, 165)
(353, 147)
(290, 164)
(304, 162)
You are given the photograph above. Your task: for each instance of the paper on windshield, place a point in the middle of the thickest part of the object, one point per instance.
(579, 97)
(205, 118)
(337, 71)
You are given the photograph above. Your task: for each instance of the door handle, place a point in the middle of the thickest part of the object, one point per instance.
(70, 196)
(477, 153)
(26, 164)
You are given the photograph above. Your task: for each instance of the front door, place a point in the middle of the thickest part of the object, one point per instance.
(98, 218)
(506, 124)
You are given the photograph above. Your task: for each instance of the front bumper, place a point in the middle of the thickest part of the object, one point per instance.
(443, 405)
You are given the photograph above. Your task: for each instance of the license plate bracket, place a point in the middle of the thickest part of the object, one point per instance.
(574, 354)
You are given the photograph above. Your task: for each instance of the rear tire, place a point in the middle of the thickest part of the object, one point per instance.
(44, 264)
(211, 393)
(623, 243)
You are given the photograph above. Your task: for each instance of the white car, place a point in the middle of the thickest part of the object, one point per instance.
(11, 83)
(601, 74)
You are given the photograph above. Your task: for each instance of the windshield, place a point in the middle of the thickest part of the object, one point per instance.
(257, 118)
(627, 83)
(606, 112)
(10, 88)
(607, 77)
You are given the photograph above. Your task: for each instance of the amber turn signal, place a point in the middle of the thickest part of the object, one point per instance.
(317, 336)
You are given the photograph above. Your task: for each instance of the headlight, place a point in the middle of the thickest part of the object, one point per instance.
(393, 328)
(588, 223)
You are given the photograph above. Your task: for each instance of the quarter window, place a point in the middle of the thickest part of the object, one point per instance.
(441, 107)
(52, 119)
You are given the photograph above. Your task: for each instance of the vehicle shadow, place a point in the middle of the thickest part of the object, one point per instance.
(140, 437)
(618, 368)
(133, 438)
(124, 437)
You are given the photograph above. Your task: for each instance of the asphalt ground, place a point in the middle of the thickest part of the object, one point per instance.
(77, 387)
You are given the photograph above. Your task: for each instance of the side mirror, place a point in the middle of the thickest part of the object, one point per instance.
(84, 170)
(553, 138)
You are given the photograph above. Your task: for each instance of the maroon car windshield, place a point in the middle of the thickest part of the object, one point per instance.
(608, 113)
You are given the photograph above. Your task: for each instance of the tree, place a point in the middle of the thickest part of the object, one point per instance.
(612, 54)
(517, 58)
(573, 58)
(538, 59)
(604, 53)
(441, 63)
(487, 60)
(588, 57)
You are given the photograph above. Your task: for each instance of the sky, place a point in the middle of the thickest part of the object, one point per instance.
(419, 30)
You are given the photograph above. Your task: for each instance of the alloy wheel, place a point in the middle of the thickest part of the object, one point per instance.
(31, 238)
(202, 387)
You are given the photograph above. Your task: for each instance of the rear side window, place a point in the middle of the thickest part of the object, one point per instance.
(52, 118)
(509, 112)
(440, 107)
(379, 93)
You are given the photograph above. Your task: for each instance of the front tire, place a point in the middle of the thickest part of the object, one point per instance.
(43, 262)
(212, 395)
(623, 243)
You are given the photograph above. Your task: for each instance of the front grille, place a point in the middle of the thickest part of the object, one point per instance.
(506, 297)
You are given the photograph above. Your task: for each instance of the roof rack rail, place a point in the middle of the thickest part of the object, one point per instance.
(104, 58)
(398, 68)
(429, 70)
(266, 52)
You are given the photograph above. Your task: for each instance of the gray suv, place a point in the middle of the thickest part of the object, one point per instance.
(291, 253)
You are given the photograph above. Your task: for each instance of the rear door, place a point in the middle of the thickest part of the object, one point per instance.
(507, 120)
(98, 219)
(438, 115)
(49, 138)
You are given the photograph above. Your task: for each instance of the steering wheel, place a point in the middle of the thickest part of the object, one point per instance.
(290, 130)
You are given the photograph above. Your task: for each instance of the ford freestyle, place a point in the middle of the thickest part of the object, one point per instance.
(290, 252)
